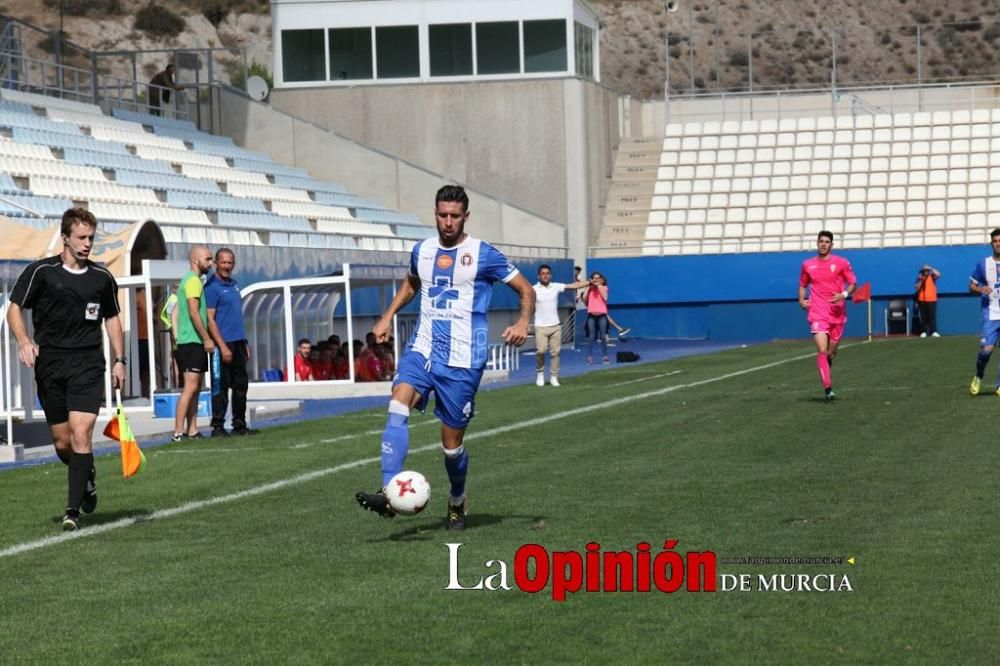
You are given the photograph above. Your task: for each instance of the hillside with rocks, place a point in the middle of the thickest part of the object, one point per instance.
(713, 45)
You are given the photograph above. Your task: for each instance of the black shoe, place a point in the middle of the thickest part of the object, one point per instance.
(241, 432)
(829, 394)
(219, 432)
(89, 501)
(197, 435)
(456, 516)
(71, 521)
(376, 502)
(178, 437)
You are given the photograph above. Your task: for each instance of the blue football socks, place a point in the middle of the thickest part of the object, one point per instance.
(981, 360)
(395, 440)
(456, 462)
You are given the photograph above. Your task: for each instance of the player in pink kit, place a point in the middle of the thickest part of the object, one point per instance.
(830, 281)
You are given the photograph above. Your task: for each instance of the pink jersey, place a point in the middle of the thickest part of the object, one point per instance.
(597, 300)
(826, 277)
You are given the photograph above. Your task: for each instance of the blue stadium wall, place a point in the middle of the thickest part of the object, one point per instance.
(748, 297)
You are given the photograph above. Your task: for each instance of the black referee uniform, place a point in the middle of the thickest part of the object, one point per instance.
(68, 309)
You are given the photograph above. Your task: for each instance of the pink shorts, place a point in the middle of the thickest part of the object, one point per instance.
(834, 331)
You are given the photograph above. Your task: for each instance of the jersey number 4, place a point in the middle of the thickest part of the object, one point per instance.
(442, 294)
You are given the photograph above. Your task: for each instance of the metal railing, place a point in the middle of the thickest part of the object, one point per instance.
(916, 53)
(881, 99)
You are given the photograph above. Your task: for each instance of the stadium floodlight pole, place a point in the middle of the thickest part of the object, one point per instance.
(920, 73)
(670, 6)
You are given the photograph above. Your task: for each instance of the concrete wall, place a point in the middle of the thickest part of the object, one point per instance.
(544, 146)
(377, 174)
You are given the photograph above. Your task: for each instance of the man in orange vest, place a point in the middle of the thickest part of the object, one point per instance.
(926, 288)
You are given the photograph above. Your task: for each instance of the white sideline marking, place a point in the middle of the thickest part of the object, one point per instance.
(646, 379)
(318, 474)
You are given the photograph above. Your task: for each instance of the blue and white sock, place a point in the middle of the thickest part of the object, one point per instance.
(981, 360)
(395, 440)
(456, 462)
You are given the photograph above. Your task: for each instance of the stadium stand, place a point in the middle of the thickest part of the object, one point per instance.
(129, 166)
(885, 180)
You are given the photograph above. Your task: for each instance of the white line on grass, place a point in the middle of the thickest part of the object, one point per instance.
(318, 474)
(645, 379)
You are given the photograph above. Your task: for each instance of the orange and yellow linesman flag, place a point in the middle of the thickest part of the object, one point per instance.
(119, 430)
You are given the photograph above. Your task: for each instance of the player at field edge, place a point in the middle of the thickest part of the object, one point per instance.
(70, 297)
(985, 281)
(454, 275)
(830, 281)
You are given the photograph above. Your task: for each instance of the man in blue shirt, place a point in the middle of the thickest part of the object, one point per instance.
(225, 323)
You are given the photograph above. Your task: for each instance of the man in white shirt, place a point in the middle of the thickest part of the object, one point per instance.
(548, 329)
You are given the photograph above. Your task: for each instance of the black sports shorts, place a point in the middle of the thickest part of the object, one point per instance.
(191, 357)
(70, 382)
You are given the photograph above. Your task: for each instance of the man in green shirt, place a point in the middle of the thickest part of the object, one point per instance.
(194, 344)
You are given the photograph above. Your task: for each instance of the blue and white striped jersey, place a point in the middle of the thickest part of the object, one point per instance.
(987, 273)
(456, 287)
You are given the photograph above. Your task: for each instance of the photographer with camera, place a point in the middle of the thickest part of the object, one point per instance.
(926, 295)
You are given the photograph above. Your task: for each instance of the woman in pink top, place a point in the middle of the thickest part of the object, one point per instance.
(597, 317)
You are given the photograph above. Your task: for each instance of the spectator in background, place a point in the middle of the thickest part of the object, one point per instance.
(548, 328)
(323, 368)
(384, 351)
(365, 369)
(225, 323)
(159, 89)
(926, 289)
(341, 364)
(596, 328)
(303, 368)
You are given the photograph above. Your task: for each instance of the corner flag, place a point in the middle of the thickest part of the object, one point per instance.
(862, 293)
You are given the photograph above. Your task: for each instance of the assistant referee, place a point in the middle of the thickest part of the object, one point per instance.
(69, 297)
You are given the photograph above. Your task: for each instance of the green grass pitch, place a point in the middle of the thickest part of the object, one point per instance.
(734, 453)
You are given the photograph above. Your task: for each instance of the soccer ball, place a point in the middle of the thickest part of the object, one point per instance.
(408, 492)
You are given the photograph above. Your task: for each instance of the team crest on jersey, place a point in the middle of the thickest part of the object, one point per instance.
(466, 259)
(444, 262)
(93, 311)
(833, 267)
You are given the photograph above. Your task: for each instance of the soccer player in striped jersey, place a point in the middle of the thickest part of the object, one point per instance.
(985, 281)
(830, 281)
(454, 275)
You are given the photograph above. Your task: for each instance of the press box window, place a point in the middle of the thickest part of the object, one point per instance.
(584, 51)
(451, 49)
(545, 46)
(302, 55)
(398, 49)
(498, 49)
(350, 54)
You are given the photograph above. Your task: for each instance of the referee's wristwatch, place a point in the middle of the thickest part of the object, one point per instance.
(121, 359)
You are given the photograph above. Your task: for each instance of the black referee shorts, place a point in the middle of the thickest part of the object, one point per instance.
(70, 383)
(191, 357)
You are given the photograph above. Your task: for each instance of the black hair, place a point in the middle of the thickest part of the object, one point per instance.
(305, 341)
(543, 267)
(995, 233)
(452, 193)
(224, 250)
(825, 234)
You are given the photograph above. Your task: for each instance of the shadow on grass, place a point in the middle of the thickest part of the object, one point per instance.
(432, 531)
(99, 517)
